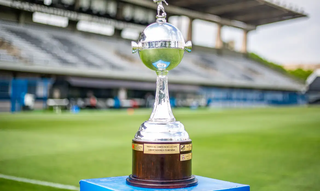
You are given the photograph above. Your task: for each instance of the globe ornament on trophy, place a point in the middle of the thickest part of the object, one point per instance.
(162, 149)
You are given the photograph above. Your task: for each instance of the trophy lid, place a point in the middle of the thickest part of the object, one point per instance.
(161, 35)
(161, 32)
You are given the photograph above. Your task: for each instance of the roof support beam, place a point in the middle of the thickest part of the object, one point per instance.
(219, 42)
(194, 14)
(190, 29)
(244, 48)
(233, 7)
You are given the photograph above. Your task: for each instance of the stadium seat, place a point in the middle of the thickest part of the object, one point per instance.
(46, 46)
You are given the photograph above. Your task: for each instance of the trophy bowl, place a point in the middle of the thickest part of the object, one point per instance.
(161, 46)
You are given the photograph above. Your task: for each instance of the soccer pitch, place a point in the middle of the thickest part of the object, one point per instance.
(270, 149)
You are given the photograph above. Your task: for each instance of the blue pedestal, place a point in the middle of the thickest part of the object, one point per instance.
(119, 184)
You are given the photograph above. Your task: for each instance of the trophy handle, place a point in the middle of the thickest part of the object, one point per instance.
(188, 46)
(135, 47)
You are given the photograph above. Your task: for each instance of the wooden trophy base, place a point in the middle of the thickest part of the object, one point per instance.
(161, 165)
(192, 181)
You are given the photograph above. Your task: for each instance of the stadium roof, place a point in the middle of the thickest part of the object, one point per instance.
(255, 12)
(251, 12)
(243, 14)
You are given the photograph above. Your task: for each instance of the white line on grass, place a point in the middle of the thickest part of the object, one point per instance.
(39, 182)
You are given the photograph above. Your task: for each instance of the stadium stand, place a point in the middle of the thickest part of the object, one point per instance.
(66, 51)
(81, 62)
(313, 91)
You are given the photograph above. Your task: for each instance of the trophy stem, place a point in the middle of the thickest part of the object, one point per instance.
(162, 109)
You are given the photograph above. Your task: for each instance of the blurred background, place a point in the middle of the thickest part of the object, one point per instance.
(69, 64)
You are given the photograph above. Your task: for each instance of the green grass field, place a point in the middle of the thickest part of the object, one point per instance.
(270, 149)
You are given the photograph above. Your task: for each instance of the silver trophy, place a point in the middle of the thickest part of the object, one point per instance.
(162, 149)
(161, 48)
